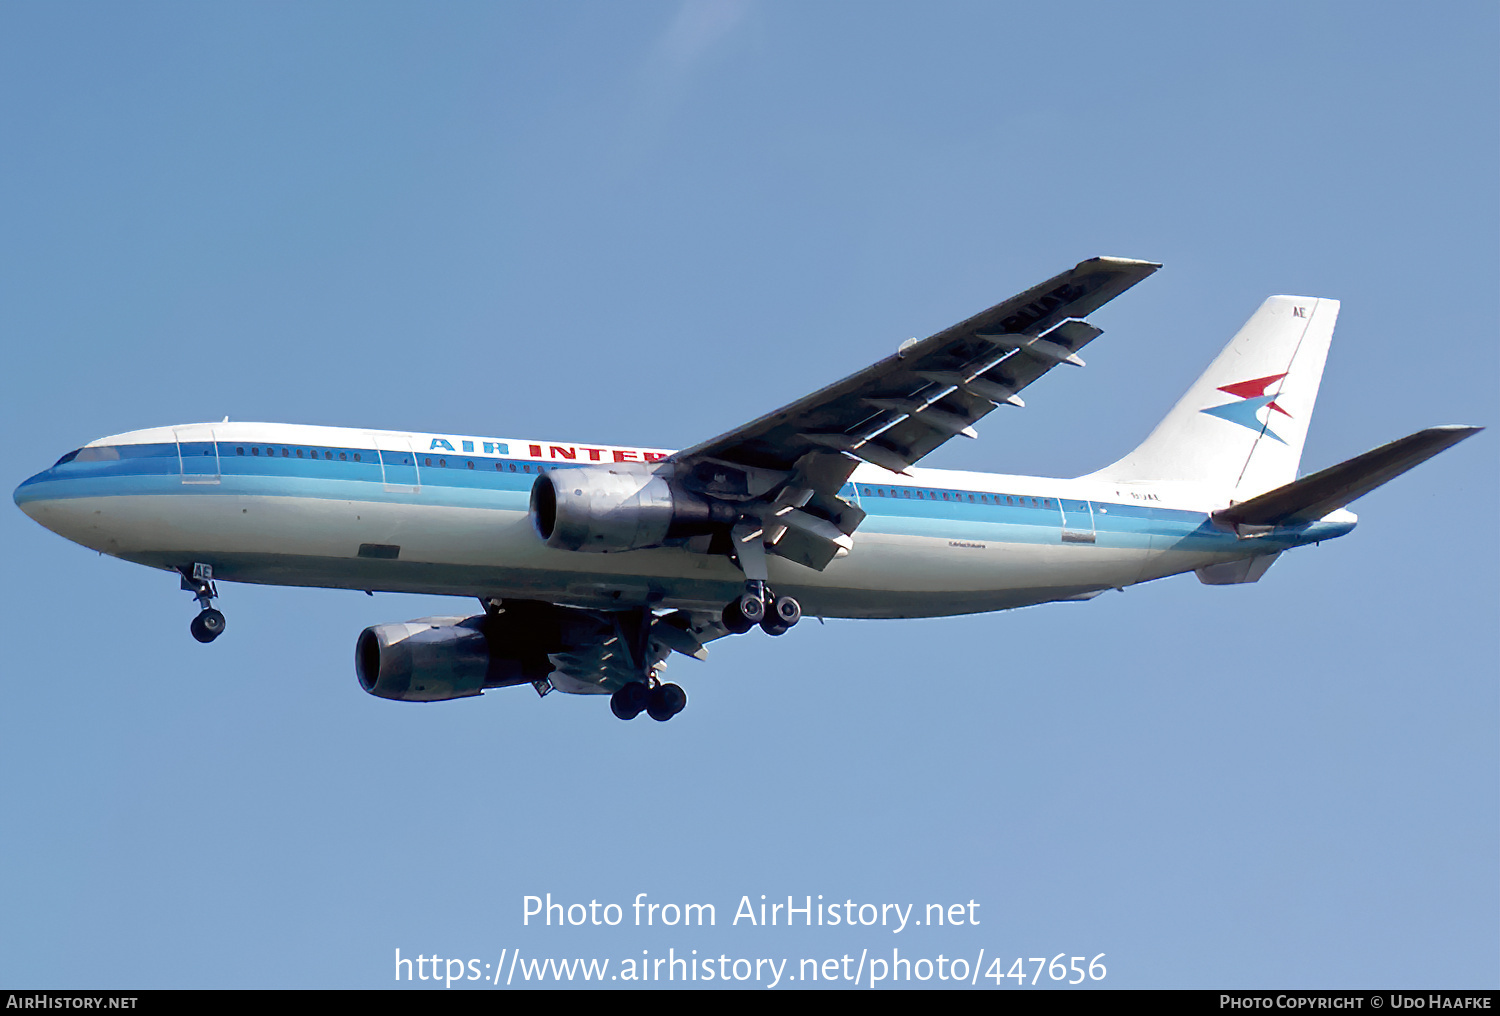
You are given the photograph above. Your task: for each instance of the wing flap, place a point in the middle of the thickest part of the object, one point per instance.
(809, 549)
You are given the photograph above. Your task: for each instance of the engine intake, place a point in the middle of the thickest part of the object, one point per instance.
(603, 509)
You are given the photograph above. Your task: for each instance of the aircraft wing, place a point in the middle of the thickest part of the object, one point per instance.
(632, 647)
(894, 412)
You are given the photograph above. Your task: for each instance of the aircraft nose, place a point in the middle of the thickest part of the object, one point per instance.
(28, 493)
(49, 499)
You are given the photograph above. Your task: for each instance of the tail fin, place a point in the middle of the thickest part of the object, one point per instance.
(1242, 424)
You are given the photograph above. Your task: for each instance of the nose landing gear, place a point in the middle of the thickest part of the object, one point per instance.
(209, 624)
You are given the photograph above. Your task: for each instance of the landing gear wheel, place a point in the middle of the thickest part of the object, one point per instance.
(751, 607)
(207, 626)
(667, 700)
(735, 621)
(771, 627)
(786, 611)
(628, 702)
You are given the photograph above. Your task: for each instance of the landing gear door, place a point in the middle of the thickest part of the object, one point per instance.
(197, 453)
(398, 464)
(1078, 521)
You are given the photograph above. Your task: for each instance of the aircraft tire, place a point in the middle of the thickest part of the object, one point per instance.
(628, 702)
(207, 626)
(751, 607)
(773, 627)
(667, 701)
(735, 621)
(786, 611)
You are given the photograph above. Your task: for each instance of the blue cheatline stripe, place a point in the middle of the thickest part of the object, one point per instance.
(355, 474)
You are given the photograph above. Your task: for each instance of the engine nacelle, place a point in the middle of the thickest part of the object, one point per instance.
(612, 508)
(437, 658)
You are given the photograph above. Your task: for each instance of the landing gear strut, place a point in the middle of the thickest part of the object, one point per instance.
(758, 605)
(209, 624)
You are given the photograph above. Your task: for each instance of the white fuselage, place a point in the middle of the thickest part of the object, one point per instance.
(428, 513)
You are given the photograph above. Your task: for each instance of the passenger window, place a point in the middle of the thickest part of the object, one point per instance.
(512, 467)
(255, 451)
(971, 498)
(471, 464)
(343, 457)
(286, 453)
(299, 453)
(356, 456)
(945, 495)
(497, 467)
(429, 462)
(442, 463)
(239, 451)
(526, 468)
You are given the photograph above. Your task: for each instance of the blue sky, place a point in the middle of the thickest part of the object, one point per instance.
(646, 224)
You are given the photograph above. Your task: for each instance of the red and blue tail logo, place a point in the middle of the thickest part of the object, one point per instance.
(1253, 398)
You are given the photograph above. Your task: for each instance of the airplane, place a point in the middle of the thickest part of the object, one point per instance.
(595, 563)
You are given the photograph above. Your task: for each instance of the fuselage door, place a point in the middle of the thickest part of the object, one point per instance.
(197, 453)
(1078, 521)
(398, 464)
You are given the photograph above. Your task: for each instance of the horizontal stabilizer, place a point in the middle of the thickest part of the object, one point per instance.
(1312, 497)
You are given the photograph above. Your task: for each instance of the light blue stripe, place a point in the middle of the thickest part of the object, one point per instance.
(1128, 527)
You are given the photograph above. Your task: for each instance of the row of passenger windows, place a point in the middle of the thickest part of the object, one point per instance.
(391, 460)
(287, 453)
(500, 467)
(935, 495)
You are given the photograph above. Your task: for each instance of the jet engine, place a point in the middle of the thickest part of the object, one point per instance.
(433, 659)
(437, 658)
(612, 508)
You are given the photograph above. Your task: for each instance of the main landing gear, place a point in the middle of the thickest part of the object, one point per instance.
(759, 606)
(659, 701)
(209, 624)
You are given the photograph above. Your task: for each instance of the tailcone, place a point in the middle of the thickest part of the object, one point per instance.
(1339, 522)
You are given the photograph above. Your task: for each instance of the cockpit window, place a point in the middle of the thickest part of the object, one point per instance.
(67, 458)
(98, 453)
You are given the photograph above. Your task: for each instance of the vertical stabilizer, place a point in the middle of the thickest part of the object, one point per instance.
(1241, 426)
